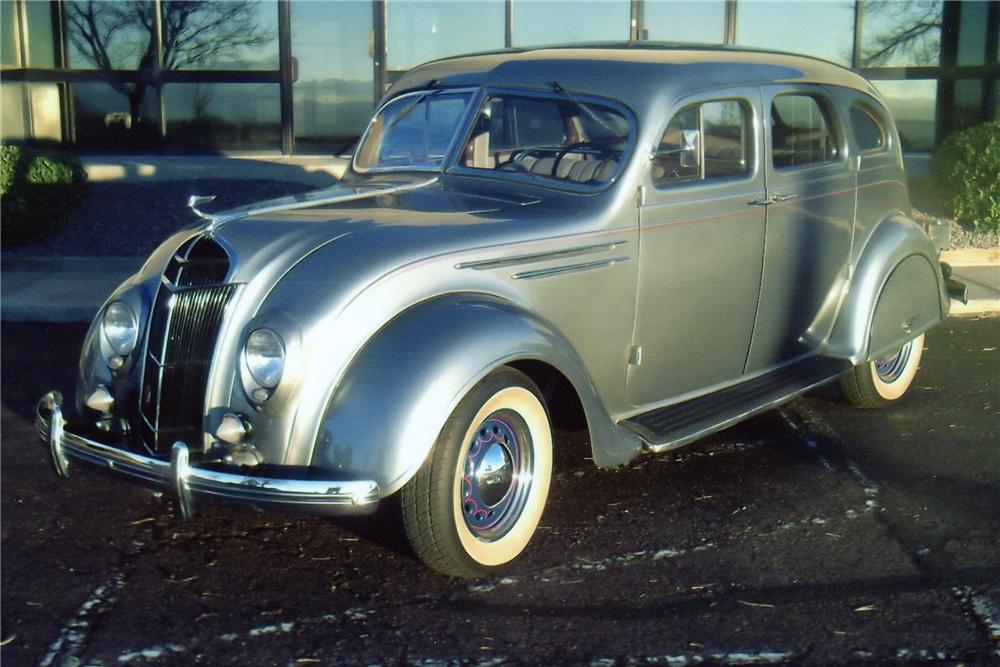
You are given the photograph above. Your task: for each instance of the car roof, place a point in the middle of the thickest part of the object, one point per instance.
(639, 75)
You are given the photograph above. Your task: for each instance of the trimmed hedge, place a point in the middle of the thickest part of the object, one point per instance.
(966, 172)
(38, 190)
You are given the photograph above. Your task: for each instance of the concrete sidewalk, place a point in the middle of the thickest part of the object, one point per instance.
(73, 289)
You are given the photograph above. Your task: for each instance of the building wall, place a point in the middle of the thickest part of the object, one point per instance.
(303, 76)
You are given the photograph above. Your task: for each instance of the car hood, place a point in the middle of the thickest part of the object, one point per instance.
(372, 230)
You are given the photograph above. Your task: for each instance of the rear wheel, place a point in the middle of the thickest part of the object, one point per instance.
(477, 500)
(878, 383)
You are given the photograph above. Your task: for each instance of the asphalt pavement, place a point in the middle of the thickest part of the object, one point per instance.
(814, 534)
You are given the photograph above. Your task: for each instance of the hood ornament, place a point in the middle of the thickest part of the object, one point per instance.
(194, 201)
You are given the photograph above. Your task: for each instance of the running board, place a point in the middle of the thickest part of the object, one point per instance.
(678, 424)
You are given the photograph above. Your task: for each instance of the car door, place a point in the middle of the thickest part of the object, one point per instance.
(810, 218)
(701, 240)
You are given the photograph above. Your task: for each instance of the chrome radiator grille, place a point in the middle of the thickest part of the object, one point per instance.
(183, 329)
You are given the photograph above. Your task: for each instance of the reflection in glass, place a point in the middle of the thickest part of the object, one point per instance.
(821, 29)
(217, 116)
(685, 21)
(221, 34)
(901, 33)
(912, 104)
(973, 22)
(333, 93)
(545, 22)
(12, 111)
(968, 104)
(8, 37)
(46, 114)
(105, 120)
(422, 31)
(41, 40)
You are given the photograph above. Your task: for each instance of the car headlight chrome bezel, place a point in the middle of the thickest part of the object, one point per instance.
(119, 329)
(264, 358)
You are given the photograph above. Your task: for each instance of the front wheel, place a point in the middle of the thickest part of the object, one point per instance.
(878, 383)
(477, 500)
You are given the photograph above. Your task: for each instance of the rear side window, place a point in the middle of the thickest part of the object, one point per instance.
(801, 132)
(711, 140)
(869, 133)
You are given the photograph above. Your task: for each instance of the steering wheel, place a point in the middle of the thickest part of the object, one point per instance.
(603, 152)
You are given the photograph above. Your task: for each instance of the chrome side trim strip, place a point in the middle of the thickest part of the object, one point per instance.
(569, 268)
(484, 264)
(305, 201)
(189, 482)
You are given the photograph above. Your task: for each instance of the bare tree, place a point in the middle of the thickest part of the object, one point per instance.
(123, 35)
(915, 32)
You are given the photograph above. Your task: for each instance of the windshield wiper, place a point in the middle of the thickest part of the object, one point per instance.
(593, 116)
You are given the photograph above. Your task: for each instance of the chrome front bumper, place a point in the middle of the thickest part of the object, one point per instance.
(190, 483)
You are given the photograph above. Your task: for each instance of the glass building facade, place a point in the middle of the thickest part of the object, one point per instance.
(302, 76)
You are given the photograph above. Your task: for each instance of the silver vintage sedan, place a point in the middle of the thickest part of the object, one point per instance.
(655, 242)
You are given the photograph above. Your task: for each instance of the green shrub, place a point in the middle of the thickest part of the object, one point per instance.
(38, 190)
(966, 170)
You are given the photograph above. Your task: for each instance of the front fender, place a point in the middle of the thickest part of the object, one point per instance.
(385, 416)
(897, 293)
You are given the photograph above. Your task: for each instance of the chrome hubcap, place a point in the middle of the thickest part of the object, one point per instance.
(891, 368)
(494, 483)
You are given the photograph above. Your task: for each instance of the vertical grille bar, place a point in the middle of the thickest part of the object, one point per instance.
(183, 329)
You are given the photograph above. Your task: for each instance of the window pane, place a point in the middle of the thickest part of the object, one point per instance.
(413, 131)
(968, 104)
(110, 35)
(12, 115)
(204, 116)
(973, 21)
(912, 105)
(105, 120)
(800, 133)
(545, 22)
(41, 44)
(220, 35)
(707, 141)
(8, 35)
(726, 138)
(868, 131)
(196, 35)
(46, 112)
(821, 29)
(334, 94)
(901, 33)
(422, 31)
(685, 21)
(551, 138)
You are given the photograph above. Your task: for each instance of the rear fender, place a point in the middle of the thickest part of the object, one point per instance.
(385, 416)
(897, 292)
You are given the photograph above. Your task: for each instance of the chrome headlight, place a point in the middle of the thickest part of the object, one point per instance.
(264, 354)
(120, 328)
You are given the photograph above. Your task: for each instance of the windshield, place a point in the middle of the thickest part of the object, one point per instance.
(557, 138)
(413, 131)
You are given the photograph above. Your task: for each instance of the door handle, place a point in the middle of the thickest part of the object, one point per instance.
(779, 197)
(760, 201)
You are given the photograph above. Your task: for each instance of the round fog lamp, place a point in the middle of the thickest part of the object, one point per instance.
(265, 357)
(120, 327)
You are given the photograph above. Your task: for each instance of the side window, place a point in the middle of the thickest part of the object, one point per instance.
(869, 133)
(711, 140)
(801, 133)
